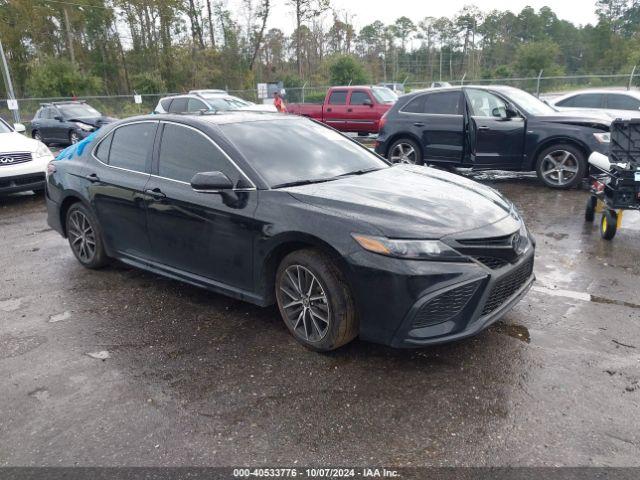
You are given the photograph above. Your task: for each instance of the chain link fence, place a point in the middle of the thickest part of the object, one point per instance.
(122, 106)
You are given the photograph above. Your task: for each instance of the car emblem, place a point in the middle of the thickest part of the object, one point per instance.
(516, 243)
(5, 160)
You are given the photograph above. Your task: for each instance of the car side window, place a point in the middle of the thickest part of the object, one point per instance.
(586, 100)
(415, 106)
(486, 104)
(195, 105)
(360, 97)
(102, 152)
(338, 97)
(165, 103)
(179, 105)
(185, 152)
(618, 101)
(442, 103)
(131, 145)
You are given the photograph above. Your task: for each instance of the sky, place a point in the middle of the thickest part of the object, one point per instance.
(367, 11)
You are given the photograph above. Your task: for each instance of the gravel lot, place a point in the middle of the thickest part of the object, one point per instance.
(193, 378)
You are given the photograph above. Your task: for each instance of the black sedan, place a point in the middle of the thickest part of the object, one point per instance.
(275, 209)
(66, 122)
(493, 127)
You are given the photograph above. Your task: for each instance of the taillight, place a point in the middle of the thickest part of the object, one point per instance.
(383, 120)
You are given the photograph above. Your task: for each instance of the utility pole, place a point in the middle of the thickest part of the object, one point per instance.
(67, 25)
(7, 81)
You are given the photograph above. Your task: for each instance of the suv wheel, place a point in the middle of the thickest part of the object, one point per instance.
(74, 137)
(315, 301)
(561, 166)
(84, 237)
(405, 150)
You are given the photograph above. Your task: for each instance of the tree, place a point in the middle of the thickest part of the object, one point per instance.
(535, 56)
(304, 10)
(345, 69)
(402, 30)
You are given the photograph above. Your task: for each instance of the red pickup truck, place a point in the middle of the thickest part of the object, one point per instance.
(349, 109)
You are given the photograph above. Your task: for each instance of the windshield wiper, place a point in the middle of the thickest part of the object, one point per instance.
(358, 172)
(303, 182)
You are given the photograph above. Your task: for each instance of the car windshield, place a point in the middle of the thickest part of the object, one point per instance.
(226, 103)
(4, 127)
(79, 111)
(528, 102)
(384, 95)
(296, 151)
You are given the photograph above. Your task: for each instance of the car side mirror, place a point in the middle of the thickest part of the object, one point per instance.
(58, 118)
(19, 127)
(510, 111)
(211, 182)
(368, 102)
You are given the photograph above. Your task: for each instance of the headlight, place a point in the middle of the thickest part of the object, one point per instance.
(409, 249)
(43, 152)
(83, 126)
(603, 137)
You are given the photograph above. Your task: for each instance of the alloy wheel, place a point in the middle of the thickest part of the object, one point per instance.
(403, 153)
(74, 138)
(82, 236)
(37, 136)
(304, 303)
(559, 167)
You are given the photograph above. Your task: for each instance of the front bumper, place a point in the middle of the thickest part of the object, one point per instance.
(416, 303)
(23, 176)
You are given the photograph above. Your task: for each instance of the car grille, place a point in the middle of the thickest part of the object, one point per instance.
(504, 241)
(507, 286)
(8, 159)
(445, 306)
(493, 263)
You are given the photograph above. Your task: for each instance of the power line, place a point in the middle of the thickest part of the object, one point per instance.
(71, 4)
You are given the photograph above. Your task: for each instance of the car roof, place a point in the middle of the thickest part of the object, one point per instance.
(220, 118)
(631, 93)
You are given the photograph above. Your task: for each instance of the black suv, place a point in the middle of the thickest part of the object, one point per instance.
(493, 127)
(66, 122)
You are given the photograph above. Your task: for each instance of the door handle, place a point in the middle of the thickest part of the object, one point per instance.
(349, 109)
(418, 124)
(483, 127)
(155, 193)
(328, 109)
(92, 177)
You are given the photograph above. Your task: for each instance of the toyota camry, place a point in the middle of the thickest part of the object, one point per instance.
(279, 209)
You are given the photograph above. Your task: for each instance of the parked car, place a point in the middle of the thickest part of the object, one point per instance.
(23, 161)
(307, 218)
(397, 88)
(614, 103)
(208, 101)
(349, 109)
(492, 127)
(66, 122)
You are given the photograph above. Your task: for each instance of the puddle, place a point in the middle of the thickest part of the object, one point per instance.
(518, 332)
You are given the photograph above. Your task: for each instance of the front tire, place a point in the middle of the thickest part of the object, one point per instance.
(85, 237)
(74, 137)
(608, 224)
(315, 301)
(36, 135)
(405, 150)
(561, 166)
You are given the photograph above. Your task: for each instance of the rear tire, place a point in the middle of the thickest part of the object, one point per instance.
(405, 150)
(74, 137)
(315, 300)
(36, 135)
(561, 166)
(85, 237)
(608, 224)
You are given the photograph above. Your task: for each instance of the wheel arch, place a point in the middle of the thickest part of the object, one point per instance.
(558, 140)
(398, 136)
(283, 246)
(69, 200)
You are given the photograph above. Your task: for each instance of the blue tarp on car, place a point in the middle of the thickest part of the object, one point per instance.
(76, 149)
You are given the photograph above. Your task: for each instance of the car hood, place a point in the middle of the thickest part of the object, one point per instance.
(587, 119)
(16, 142)
(409, 201)
(93, 121)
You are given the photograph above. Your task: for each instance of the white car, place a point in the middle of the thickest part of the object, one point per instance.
(208, 101)
(624, 104)
(23, 161)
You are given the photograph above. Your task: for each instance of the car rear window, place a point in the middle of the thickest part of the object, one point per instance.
(165, 103)
(131, 146)
(179, 105)
(339, 97)
(618, 101)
